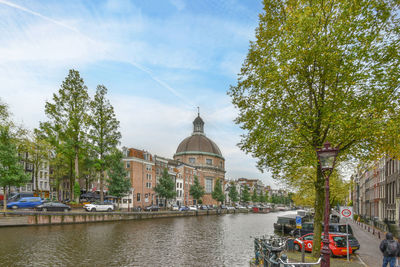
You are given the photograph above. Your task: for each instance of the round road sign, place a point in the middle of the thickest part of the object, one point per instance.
(346, 213)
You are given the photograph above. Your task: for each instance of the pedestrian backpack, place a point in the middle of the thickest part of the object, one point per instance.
(391, 248)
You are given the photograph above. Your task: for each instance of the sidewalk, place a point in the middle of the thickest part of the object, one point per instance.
(369, 239)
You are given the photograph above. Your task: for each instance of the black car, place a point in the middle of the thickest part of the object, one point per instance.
(53, 206)
(152, 208)
(308, 227)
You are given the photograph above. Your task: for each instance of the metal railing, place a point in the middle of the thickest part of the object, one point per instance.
(268, 253)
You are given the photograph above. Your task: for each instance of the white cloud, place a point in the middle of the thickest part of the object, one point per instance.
(179, 4)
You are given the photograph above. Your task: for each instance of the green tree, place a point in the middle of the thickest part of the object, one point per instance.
(11, 170)
(254, 197)
(77, 190)
(319, 71)
(119, 183)
(261, 197)
(196, 190)
(165, 187)
(245, 194)
(68, 120)
(233, 193)
(104, 134)
(39, 153)
(218, 193)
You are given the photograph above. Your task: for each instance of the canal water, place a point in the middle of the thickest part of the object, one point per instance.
(192, 241)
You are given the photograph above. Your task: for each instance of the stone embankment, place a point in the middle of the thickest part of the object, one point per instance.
(22, 218)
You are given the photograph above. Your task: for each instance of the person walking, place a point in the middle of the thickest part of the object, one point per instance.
(390, 249)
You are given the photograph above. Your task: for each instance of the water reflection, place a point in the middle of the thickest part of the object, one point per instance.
(190, 241)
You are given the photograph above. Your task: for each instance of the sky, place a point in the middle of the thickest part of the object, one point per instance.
(159, 59)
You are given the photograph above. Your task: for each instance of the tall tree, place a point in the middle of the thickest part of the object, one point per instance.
(104, 134)
(233, 193)
(245, 194)
(38, 150)
(119, 183)
(319, 71)
(254, 197)
(218, 193)
(197, 190)
(165, 187)
(261, 197)
(68, 120)
(11, 170)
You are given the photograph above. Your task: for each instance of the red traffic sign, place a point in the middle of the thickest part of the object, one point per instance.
(346, 213)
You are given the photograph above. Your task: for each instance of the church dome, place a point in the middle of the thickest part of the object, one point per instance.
(198, 143)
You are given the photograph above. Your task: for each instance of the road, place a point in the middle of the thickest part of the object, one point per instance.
(369, 251)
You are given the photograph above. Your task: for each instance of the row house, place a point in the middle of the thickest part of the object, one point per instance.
(376, 191)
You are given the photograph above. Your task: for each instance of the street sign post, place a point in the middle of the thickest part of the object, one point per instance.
(298, 222)
(346, 212)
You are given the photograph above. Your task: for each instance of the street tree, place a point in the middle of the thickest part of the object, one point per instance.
(245, 194)
(119, 184)
(233, 193)
(320, 71)
(104, 132)
(165, 187)
(254, 197)
(261, 197)
(38, 150)
(67, 127)
(218, 194)
(197, 190)
(11, 170)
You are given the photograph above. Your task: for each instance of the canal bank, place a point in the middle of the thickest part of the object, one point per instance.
(32, 218)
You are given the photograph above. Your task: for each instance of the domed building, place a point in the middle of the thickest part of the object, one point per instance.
(204, 156)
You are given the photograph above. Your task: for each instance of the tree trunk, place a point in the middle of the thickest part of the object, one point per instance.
(76, 172)
(71, 182)
(4, 199)
(36, 179)
(101, 185)
(319, 211)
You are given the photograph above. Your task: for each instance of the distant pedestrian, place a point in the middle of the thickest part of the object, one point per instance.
(390, 249)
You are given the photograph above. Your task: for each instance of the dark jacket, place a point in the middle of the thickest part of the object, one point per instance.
(384, 243)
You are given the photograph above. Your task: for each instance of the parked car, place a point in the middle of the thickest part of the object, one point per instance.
(204, 207)
(53, 206)
(152, 208)
(175, 207)
(308, 227)
(337, 244)
(240, 207)
(99, 207)
(223, 207)
(183, 208)
(25, 202)
(230, 208)
(193, 208)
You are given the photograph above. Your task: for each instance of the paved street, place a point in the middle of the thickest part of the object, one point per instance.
(369, 251)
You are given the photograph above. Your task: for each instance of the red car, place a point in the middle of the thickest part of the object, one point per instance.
(337, 244)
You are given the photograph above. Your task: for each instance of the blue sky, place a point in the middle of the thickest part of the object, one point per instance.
(159, 59)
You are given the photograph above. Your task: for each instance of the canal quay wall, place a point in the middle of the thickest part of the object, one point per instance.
(29, 218)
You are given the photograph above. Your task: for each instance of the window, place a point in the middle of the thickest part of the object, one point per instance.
(45, 185)
(41, 185)
(148, 175)
(128, 164)
(124, 200)
(209, 161)
(138, 197)
(148, 167)
(209, 184)
(192, 160)
(130, 201)
(148, 185)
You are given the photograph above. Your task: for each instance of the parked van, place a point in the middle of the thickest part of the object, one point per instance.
(25, 202)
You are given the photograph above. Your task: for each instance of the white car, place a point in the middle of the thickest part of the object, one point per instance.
(99, 207)
(193, 208)
(230, 208)
(175, 207)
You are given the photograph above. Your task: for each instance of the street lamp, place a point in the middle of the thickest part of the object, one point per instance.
(327, 158)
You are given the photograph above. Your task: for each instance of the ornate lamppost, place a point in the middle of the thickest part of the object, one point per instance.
(327, 158)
